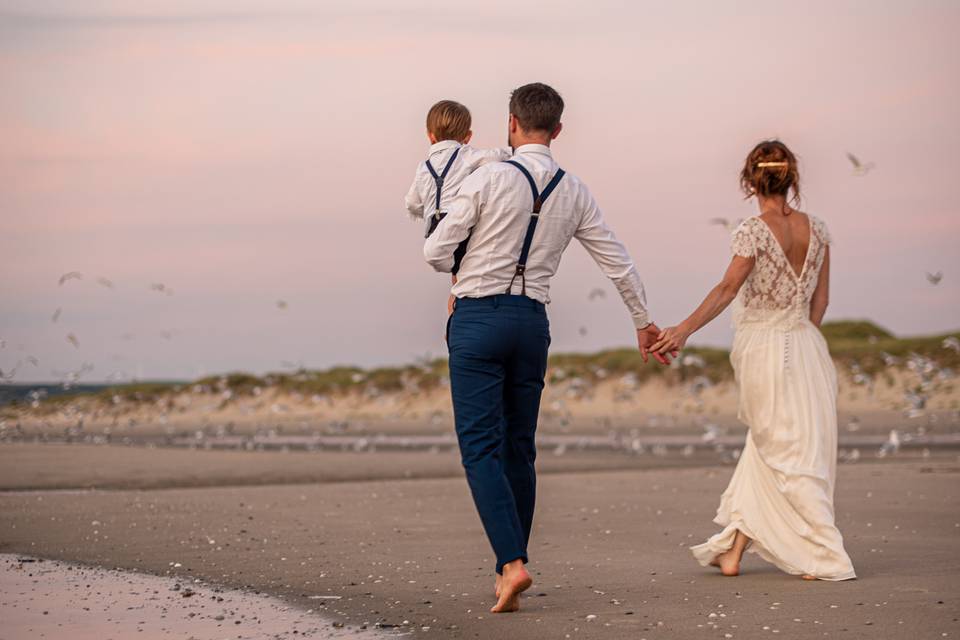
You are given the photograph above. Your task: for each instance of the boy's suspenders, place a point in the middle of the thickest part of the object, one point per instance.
(538, 200)
(437, 216)
(438, 179)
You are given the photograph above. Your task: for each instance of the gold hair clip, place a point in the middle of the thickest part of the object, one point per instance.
(772, 164)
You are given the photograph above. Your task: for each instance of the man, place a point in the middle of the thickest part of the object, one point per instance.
(519, 217)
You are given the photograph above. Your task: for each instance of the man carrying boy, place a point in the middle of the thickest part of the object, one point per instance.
(519, 216)
(449, 161)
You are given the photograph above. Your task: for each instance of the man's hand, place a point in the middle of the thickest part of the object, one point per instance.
(670, 340)
(645, 339)
(450, 301)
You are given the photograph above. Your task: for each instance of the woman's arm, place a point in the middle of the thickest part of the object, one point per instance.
(672, 339)
(821, 295)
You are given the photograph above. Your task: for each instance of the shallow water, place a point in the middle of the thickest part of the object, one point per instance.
(58, 600)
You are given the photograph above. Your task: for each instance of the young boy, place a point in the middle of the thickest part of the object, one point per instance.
(450, 160)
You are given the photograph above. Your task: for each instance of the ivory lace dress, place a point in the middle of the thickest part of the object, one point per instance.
(781, 493)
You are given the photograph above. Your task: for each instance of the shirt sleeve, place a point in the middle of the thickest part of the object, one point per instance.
(413, 200)
(463, 211)
(612, 258)
(480, 157)
(743, 242)
(500, 155)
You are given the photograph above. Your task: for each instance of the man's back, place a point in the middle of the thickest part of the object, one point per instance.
(493, 208)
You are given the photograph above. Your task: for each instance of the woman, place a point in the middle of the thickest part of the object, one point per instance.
(780, 500)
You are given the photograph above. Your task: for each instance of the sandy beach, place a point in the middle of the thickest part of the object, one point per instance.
(402, 548)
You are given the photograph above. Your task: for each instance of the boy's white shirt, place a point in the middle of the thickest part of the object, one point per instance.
(421, 197)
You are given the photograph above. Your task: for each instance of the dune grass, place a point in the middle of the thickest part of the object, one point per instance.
(854, 343)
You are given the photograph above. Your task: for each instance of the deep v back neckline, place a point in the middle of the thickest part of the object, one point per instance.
(783, 253)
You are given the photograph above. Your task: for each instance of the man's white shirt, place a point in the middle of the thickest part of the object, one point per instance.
(493, 207)
(421, 197)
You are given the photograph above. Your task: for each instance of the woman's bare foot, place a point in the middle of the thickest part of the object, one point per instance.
(496, 586)
(515, 581)
(728, 562)
(807, 576)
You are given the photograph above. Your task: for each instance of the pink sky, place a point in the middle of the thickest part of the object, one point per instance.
(244, 152)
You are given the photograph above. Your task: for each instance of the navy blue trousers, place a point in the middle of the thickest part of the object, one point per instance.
(498, 358)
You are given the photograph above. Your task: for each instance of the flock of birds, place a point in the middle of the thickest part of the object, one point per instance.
(927, 379)
(69, 379)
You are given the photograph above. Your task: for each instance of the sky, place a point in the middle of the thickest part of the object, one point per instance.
(246, 152)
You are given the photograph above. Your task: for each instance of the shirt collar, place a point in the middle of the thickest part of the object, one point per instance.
(533, 148)
(443, 145)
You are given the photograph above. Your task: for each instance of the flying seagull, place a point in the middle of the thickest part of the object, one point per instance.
(72, 275)
(726, 223)
(281, 304)
(859, 168)
(934, 278)
(56, 315)
(161, 288)
(105, 282)
(72, 339)
(596, 293)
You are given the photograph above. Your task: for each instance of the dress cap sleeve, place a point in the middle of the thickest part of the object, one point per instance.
(743, 242)
(821, 229)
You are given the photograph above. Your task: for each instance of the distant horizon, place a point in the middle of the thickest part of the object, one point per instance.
(93, 381)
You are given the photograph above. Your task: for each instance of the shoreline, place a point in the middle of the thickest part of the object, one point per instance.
(65, 600)
(31, 467)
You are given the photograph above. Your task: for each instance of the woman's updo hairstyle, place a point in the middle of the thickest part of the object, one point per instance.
(771, 170)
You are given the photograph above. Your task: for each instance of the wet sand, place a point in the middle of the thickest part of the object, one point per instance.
(51, 600)
(28, 466)
(608, 553)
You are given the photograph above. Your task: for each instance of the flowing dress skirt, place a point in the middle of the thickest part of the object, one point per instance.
(781, 493)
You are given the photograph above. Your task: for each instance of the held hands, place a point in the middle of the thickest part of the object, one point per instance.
(671, 340)
(645, 339)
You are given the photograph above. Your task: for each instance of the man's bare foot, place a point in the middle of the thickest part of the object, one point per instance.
(496, 586)
(807, 576)
(515, 581)
(728, 562)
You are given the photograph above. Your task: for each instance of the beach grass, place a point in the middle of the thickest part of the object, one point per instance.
(856, 346)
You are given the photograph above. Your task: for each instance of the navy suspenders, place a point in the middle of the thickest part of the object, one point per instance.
(438, 179)
(538, 200)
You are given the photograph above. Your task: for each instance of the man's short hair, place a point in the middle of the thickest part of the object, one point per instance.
(537, 107)
(448, 120)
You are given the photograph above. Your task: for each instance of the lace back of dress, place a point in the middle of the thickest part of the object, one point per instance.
(773, 293)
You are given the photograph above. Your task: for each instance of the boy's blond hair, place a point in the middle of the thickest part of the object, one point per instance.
(448, 120)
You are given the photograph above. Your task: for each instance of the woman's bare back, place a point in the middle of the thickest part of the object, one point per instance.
(792, 233)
